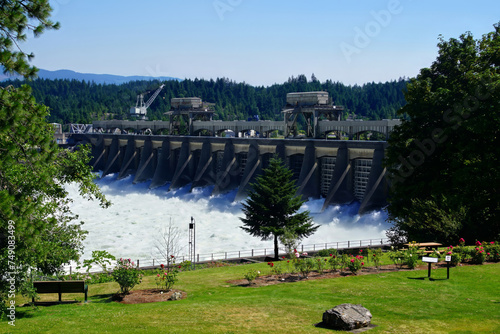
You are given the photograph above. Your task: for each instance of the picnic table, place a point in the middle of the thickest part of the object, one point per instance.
(429, 247)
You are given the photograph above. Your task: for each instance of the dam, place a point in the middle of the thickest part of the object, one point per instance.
(337, 171)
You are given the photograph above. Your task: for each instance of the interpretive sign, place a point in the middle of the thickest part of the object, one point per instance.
(429, 259)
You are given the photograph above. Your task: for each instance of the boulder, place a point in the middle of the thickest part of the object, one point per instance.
(347, 317)
(176, 296)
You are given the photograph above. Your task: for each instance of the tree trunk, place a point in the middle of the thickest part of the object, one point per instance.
(276, 247)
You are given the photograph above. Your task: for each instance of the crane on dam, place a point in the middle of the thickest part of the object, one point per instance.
(140, 108)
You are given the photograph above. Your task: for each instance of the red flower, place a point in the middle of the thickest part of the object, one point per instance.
(162, 266)
(179, 267)
(330, 254)
(374, 254)
(361, 251)
(362, 263)
(478, 243)
(172, 256)
(283, 257)
(269, 263)
(288, 261)
(272, 264)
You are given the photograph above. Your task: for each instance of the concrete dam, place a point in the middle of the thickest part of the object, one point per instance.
(337, 170)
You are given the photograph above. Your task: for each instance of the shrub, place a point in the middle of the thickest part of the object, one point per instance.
(375, 256)
(356, 263)
(397, 257)
(492, 250)
(304, 266)
(479, 255)
(335, 262)
(167, 275)
(411, 255)
(327, 252)
(277, 268)
(251, 275)
(321, 264)
(126, 275)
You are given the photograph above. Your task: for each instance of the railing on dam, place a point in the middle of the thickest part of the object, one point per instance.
(251, 254)
(264, 127)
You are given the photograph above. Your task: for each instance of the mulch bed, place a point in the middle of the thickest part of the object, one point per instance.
(265, 280)
(146, 296)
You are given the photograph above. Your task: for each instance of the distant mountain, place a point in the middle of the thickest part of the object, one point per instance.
(97, 78)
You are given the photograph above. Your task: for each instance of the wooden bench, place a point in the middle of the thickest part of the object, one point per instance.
(61, 287)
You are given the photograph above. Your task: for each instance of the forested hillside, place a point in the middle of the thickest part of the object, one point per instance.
(72, 101)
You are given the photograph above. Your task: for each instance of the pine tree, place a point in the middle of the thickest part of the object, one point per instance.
(272, 206)
(36, 229)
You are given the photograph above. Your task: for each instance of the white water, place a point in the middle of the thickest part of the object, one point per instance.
(129, 227)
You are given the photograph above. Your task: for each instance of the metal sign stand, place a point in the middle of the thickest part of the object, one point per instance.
(192, 243)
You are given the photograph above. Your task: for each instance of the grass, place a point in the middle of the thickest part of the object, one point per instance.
(401, 302)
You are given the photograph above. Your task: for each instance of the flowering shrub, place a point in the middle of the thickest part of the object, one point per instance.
(167, 275)
(456, 257)
(479, 255)
(411, 255)
(304, 266)
(355, 264)
(126, 275)
(375, 256)
(492, 250)
(321, 264)
(335, 261)
(186, 265)
(252, 275)
(277, 268)
(398, 257)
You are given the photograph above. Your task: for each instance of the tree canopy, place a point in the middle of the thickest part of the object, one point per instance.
(36, 228)
(444, 160)
(73, 101)
(272, 206)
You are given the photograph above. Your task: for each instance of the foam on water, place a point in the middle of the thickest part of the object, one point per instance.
(131, 225)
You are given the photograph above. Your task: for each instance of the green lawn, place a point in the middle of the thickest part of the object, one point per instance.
(400, 303)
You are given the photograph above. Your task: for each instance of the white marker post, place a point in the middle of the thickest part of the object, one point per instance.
(429, 260)
(448, 260)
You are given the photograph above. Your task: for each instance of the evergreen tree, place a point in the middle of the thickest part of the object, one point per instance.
(35, 220)
(444, 159)
(272, 206)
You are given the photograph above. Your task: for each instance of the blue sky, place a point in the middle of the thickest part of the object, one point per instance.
(260, 42)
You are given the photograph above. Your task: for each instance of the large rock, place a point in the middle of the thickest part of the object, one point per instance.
(347, 317)
(176, 296)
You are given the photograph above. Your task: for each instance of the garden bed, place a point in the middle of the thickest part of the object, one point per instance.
(265, 280)
(147, 296)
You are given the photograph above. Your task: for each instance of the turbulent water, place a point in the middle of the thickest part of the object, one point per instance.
(130, 227)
